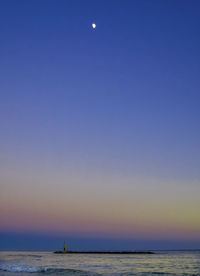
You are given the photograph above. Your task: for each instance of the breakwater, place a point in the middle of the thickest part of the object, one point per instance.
(104, 252)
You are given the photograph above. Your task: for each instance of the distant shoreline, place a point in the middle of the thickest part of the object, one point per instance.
(104, 252)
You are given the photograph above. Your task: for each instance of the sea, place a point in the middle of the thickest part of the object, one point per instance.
(14, 263)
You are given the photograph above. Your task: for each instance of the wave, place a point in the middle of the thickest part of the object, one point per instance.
(19, 268)
(47, 270)
(25, 255)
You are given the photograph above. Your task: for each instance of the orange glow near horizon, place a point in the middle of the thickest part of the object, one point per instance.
(122, 216)
(101, 205)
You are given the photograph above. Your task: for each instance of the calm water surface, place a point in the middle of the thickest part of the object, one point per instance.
(42, 263)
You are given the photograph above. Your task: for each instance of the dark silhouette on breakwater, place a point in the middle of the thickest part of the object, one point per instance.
(64, 251)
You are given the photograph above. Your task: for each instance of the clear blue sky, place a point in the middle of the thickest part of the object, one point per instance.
(96, 122)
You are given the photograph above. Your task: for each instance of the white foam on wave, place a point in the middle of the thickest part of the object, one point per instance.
(22, 268)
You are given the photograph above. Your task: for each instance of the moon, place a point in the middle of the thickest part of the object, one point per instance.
(94, 25)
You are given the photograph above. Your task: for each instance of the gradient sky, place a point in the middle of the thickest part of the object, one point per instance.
(99, 129)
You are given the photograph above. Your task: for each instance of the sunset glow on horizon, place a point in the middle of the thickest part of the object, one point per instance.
(126, 211)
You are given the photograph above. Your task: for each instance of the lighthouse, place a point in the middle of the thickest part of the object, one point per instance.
(64, 247)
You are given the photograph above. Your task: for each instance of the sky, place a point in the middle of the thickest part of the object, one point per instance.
(99, 129)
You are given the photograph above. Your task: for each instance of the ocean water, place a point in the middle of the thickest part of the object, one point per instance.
(46, 263)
